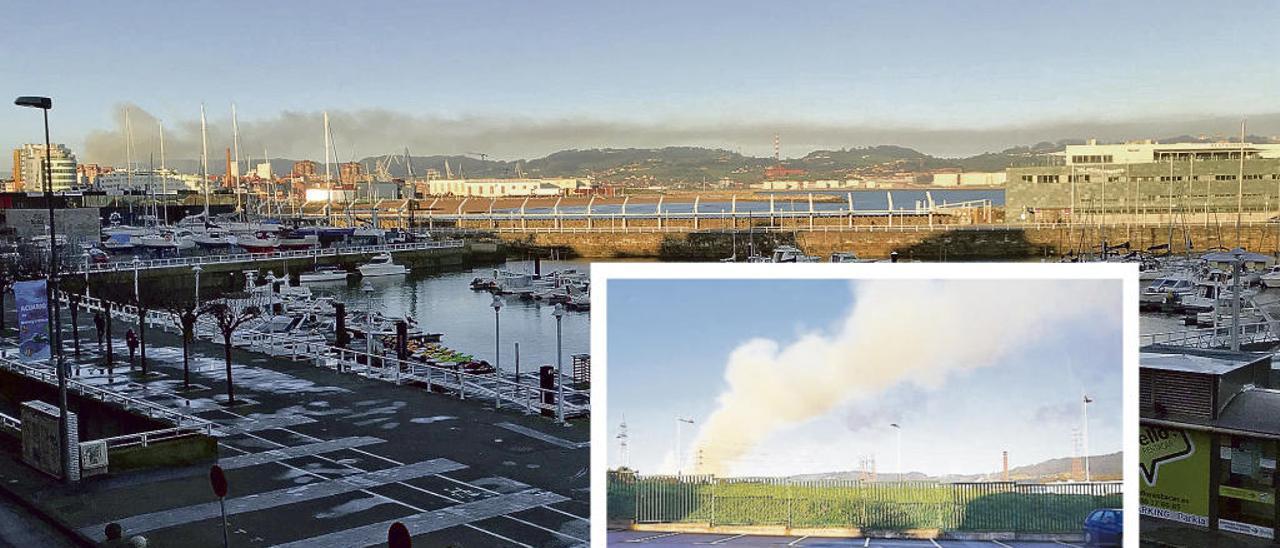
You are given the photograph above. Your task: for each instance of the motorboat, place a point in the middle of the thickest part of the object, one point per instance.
(790, 254)
(259, 242)
(324, 273)
(294, 240)
(120, 241)
(847, 257)
(214, 237)
(513, 283)
(1165, 292)
(1271, 278)
(381, 265)
(168, 238)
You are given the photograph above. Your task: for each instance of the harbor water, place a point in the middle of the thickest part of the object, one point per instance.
(445, 303)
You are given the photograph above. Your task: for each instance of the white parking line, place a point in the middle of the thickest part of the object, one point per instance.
(998, 543)
(644, 539)
(935, 543)
(796, 542)
(1065, 544)
(866, 541)
(726, 539)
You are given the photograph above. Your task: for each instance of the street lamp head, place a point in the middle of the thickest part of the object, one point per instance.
(558, 311)
(497, 302)
(197, 268)
(34, 102)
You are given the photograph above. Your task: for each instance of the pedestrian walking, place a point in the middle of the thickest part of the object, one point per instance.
(101, 324)
(131, 340)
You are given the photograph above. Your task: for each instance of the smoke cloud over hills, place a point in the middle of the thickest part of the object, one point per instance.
(912, 333)
(362, 133)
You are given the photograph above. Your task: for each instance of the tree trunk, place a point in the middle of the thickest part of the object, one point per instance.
(226, 345)
(74, 306)
(2, 324)
(111, 366)
(186, 359)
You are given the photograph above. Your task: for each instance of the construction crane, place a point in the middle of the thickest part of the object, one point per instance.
(482, 156)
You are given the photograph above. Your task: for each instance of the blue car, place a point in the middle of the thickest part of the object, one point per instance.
(1103, 527)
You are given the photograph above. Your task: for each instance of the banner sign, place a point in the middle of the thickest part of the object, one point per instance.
(33, 319)
(1175, 474)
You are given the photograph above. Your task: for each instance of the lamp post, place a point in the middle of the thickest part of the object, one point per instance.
(55, 323)
(679, 460)
(86, 273)
(1084, 410)
(558, 312)
(136, 262)
(497, 338)
(898, 427)
(197, 270)
(367, 288)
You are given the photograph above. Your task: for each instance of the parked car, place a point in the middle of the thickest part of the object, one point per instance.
(1103, 527)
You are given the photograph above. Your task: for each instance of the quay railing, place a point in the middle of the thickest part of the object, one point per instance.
(605, 224)
(1213, 337)
(144, 439)
(12, 425)
(148, 264)
(149, 409)
(455, 379)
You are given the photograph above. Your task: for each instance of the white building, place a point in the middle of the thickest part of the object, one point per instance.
(156, 182)
(824, 184)
(1145, 152)
(28, 167)
(264, 170)
(976, 178)
(494, 188)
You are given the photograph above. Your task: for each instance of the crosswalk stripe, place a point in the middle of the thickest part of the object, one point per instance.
(254, 459)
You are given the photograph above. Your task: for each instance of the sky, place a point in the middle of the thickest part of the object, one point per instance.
(984, 366)
(522, 79)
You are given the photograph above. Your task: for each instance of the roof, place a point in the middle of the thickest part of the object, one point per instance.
(1252, 410)
(1190, 363)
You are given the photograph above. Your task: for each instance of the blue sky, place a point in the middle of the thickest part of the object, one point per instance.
(664, 67)
(670, 342)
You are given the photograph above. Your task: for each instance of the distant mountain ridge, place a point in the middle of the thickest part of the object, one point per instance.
(1101, 468)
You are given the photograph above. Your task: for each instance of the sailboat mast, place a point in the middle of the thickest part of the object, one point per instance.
(204, 162)
(328, 210)
(1240, 187)
(128, 150)
(235, 170)
(164, 177)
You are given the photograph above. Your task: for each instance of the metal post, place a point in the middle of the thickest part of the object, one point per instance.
(1235, 301)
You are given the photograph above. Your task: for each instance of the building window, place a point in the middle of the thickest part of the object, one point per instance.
(1246, 493)
(1167, 178)
(1047, 178)
(1224, 177)
(1078, 178)
(1027, 178)
(1253, 177)
(1113, 178)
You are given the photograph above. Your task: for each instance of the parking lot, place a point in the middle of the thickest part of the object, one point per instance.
(627, 538)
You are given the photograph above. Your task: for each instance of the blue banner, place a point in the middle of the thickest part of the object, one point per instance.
(33, 319)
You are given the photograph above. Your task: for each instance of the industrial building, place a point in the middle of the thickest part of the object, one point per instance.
(1210, 421)
(972, 178)
(791, 184)
(1194, 179)
(496, 188)
(28, 167)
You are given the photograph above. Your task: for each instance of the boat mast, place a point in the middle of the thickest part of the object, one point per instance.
(204, 162)
(128, 156)
(164, 177)
(235, 146)
(328, 208)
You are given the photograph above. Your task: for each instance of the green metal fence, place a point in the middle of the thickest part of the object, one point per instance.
(992, 506)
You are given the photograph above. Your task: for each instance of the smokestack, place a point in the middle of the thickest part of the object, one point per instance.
(228, 179)
(1006, 465)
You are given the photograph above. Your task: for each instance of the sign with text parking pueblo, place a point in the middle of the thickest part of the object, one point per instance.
(33, 319)
(1175, 474)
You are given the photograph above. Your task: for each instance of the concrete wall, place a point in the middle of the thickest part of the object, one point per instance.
(78, 224)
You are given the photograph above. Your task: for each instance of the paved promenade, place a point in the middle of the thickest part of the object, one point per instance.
(317, 458)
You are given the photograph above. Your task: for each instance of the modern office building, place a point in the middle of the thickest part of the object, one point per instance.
(1148, 177)
(1210, 421)
(28, 167)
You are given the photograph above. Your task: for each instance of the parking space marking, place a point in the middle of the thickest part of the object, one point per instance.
(645, 539)
(935, 543)
(173, 517)
(998, 543)
(723, 540)
(437, 520)
(553, 440)
(273, 455)
(1066, 544)
(796, 542)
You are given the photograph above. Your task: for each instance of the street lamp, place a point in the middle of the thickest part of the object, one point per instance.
(86, 273)
(367, 288)
(55, 323)
(680, 421)
(497, 345)
(558, 312)
(136, 261)
(1084, 410)
(897, 427)
(197, 270)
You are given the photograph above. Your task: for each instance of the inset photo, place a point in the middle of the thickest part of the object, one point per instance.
(870, 405)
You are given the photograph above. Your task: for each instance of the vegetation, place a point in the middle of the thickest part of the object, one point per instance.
(851, 504)
(229, 314)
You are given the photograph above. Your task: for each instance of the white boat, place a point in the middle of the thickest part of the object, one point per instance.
(381, 265)
(299, 241)
(214, 237)
(791, 254)
(119, 241)
(1166, 291)
(847, 257)
(167, 238)
(325, 273)
(258, 242)
(1271, 278)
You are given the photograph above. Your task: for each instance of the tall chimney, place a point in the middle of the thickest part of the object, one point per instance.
(1006, 465)
(228, 179)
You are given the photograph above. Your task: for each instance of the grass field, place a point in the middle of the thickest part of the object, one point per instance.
(867, 505)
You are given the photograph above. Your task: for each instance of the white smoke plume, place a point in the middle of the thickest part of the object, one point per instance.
(903, 331)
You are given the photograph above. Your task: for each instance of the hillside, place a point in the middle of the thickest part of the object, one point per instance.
(1101, 467)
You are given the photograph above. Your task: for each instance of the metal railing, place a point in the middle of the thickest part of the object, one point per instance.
(989, 506)
(144, 439)
(128, 266)
(149, 409)
(1213, 337)
(11, 425)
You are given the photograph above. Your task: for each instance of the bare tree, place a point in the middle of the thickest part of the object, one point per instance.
(229, 318)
